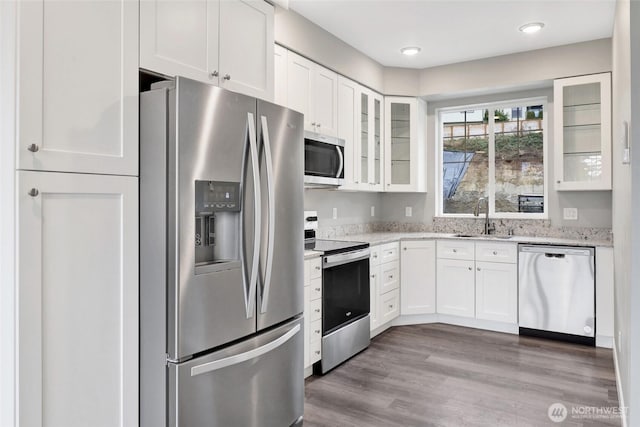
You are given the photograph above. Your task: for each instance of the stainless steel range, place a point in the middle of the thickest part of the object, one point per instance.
(345, 296)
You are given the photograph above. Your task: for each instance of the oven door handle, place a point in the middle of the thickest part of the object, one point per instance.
(339, 259)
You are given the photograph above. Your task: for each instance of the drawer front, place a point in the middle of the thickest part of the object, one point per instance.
(315, 268)
(455, 249)
(315, 351)
(497, 252)
(315, 331)
(315, 289)
(389, 277)
(389, 307)
(390, 252)
(315, 310)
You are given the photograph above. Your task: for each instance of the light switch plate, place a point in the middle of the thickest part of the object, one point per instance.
(373, 211)
(335, 213)
(408, 211)
(571, 214)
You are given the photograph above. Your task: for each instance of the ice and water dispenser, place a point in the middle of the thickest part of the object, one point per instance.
(217, 225)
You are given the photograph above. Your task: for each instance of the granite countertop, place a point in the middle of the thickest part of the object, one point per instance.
(377, 238)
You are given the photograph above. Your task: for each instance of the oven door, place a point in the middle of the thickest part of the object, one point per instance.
(345, 289)
(323, 160)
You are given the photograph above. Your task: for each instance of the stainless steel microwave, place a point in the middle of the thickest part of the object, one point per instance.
(323, 159)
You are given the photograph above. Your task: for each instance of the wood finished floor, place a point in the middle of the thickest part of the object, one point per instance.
(444, 375)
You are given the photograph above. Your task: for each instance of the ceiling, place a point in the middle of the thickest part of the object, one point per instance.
(450, 31)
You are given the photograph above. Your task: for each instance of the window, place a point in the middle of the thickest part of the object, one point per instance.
(502, 158)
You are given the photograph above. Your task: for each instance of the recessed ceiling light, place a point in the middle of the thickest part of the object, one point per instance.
(532, 27)
(410, 51)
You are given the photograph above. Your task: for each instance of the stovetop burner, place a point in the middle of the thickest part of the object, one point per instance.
(333, 246)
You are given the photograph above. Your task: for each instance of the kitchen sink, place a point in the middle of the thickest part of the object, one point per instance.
(485, 236)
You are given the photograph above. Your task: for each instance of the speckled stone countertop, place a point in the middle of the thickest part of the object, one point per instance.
(376, 238)
(312, 254)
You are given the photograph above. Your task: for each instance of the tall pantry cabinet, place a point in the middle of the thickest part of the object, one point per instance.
(77, 213)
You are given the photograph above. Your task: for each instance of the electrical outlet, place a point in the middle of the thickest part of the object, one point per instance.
(373, 211)
(570, 214)
(335, 213)
(408, 211)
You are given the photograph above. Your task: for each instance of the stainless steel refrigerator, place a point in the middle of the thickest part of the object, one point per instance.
(221, 259)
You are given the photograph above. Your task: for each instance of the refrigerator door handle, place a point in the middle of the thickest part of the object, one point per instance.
(341, 158)
(253, 277)
(271, 213)
(243, 357)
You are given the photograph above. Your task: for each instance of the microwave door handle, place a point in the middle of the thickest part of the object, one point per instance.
(341, 157)
(271, 213)
(257, 214)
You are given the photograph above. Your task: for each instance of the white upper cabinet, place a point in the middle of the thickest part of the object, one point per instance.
(227, 43)
(246, 47)
(313, 91)
(77, 340)
(280, 56)
(405, 145)
(360, 122)
(582, 132)
(78, 86)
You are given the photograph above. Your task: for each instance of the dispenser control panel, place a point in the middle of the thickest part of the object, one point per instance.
(217, 196)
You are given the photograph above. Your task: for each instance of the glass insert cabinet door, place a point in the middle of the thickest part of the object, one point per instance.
(405, 156)
(582, 132)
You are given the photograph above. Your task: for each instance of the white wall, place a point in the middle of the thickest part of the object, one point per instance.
(297, 33)
(7, 213)
(353, 207)
(516, 71)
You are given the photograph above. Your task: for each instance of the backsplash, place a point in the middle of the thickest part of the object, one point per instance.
(519, 227)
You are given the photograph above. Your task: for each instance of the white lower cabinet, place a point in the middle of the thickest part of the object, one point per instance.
(497, 291)
(77, 300)
(312, 311)
(478, 279)
(418, 277)
(384, 284)
(456, 287)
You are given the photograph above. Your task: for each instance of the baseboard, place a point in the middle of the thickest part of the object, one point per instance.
(417, 319)
(619, 387)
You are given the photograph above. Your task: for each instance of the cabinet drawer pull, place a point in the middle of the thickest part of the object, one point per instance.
(33, 192)
(455, 250)
(317, 268)
(317, 310)
(495, 252)
(391, 276)
(33, 148)
(317, 331)
(318, 352)
(470, 268)
(478, 268)
(318, 289)
(373, 276)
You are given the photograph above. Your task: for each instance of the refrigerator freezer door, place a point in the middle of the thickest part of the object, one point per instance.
(280, 290)
(557, 289)
(212, 140)
(256, 383)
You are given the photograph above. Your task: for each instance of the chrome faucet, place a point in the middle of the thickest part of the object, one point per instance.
(488, 229)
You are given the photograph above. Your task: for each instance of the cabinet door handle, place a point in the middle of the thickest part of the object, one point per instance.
(478, 268)
(214, 73)
(391, 276)
(390, 305)
(227, 77)
(317, 268)
(470, 268)
(33, 192)
(313, 124)
(373, 276)
(33, 148)
(405, 248)
(495, 252)
(558, 182)
(317, 331)
(318, 352)
(455, 250)
(318, 125)
(317, 310)
(318, 289)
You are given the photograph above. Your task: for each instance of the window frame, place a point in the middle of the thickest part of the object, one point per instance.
(492, 106)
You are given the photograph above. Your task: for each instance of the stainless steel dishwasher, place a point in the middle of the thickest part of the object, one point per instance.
(557, 292)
